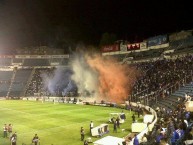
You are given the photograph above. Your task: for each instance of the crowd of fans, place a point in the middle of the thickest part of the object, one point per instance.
(158, 80)
(173, 127)
(44, 82)
(36, 85)
(161, 78)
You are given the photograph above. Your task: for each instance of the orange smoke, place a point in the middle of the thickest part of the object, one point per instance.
(115, 79)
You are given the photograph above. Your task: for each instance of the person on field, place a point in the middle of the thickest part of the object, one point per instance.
(115, 126)
(13, 139)
(91, 126)
(10, 130)
(35, 139)
(5, 129)
(82, 133)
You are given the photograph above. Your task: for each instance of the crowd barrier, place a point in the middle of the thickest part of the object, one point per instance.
(149, 125)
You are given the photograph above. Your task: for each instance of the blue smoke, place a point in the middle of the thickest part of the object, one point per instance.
(60, 82)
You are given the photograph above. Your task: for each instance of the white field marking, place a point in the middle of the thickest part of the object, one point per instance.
(35, 116)
(81, 109)
(63, 126)
(15, 110)
(4, 108)
(43, 113)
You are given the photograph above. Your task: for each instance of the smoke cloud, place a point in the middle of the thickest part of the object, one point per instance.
(59, 81)
(104, 79)
(85, 77)
(114, 78)
(96, 78)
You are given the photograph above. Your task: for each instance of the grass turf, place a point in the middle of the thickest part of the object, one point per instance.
(57, 124)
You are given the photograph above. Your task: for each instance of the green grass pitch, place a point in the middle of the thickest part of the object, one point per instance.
(57, 124)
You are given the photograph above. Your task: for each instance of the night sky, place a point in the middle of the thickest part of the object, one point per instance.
(58, 22)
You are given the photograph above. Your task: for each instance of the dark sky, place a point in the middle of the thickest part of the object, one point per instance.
(53, 22)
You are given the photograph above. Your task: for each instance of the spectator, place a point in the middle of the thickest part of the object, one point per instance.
(158, 138)
(82, 133)
(85, 142)
(135, 141)
(144, 138)
(118, 122)
(175, 137)
(133, 118)
(115, 126)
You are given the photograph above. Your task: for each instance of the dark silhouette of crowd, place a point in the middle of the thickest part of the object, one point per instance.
(158, 81)
(161, 78)
(37, 84)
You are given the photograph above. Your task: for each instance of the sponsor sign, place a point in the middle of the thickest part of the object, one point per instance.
(6, 56)
(133, 46)
(158, 40)
(159, 46)
(41, 56)
(123, 47)
(110, 48)
(143, 45)
(180, 35)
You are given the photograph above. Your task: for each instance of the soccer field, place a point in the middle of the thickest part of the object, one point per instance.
(57, 124)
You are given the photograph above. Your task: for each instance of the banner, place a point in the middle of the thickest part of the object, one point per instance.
(159, 46)
(6, 56)
(158, 40)
(133, 46)
(42, 56)
(110, 48)
(123, 47)
(180, 35)
(143, 45)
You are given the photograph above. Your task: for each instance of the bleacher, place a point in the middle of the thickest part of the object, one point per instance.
(19, 82)
(148, 54)
(36, 62)
(5, 61)
(14, 60)
(36, 83)
(5, 75)
(5, 81)
(4, 88)
(16, 72)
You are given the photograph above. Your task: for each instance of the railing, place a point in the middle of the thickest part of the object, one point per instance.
(151, 125)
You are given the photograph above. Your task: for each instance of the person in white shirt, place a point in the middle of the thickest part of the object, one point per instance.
(91, 126)
(144, 138)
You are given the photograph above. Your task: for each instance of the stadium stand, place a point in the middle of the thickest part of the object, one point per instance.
(165, 84)
(5, 61)
(36, 62)
(19, 82)
(5, 81)
(36, 84)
